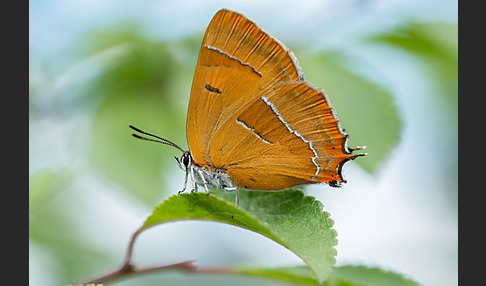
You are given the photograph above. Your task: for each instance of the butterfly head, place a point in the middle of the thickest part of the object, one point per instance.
(185, 161)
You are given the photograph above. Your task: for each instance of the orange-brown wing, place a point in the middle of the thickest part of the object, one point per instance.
(288, 136)
(236, 62)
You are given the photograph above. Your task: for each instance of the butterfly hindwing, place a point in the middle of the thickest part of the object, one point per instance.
(290, 133)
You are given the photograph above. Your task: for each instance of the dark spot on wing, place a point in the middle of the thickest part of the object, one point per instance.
(212, 89)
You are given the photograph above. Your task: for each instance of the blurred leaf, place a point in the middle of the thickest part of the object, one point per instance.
(436, 44)
(51, 228)
(40, 187)
(289, 218)
(134, 164)
(142, 88)
(74, 257)
(348, 275)
(43, 185)
(365, 110)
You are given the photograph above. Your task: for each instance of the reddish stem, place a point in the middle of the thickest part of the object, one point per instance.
(127, 268)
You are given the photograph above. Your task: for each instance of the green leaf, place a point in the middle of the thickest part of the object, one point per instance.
(366, 276)
(347, 275)
(299, 275)
(365, 110)
(289, 218)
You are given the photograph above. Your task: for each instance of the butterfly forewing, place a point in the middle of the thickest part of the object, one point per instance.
(236, 62)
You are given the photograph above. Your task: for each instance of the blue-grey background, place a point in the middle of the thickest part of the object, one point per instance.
(389, 68)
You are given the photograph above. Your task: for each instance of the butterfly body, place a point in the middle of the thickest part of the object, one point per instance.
(213, 178)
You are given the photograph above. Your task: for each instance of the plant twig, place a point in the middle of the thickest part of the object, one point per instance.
(128, 255)
(127, 268)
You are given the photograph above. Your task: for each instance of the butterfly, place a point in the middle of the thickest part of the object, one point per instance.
(253, 121)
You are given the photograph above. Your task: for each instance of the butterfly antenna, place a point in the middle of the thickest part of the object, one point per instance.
(160, 139)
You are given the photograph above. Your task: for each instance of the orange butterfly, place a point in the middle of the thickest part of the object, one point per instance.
(253, 121)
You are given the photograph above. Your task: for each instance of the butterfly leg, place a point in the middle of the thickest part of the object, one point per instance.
(205, 183)
(233, 189)
(194, 186)
(185, 183)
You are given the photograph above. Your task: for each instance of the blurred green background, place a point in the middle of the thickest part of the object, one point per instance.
(388, 67)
